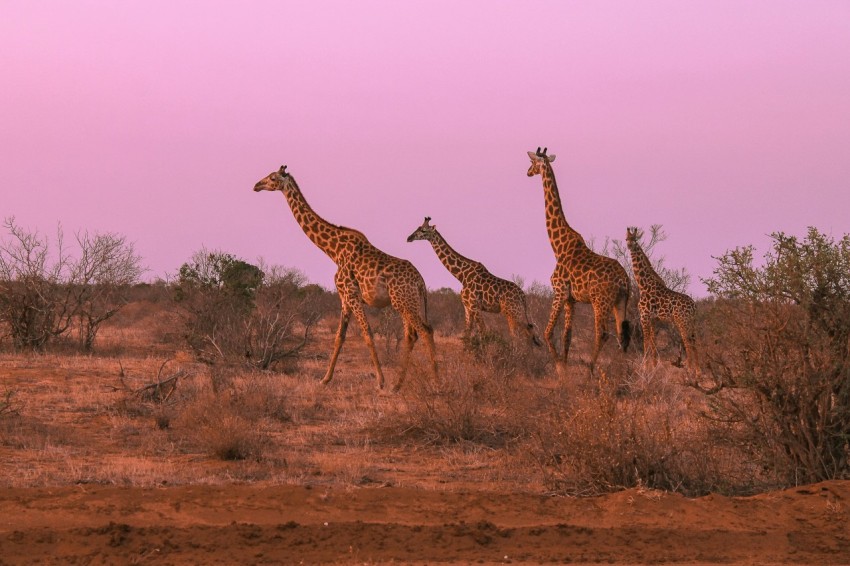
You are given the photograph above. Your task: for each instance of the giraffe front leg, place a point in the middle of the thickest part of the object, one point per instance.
(344, 317)
(650, 351)
(549, 334)
(470, 313)
(689, 338)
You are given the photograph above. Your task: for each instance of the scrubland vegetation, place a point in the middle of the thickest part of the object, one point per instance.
(212, 377)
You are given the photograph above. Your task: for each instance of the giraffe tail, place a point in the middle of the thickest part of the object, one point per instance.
(625, 334)
(425, 321)
(534, 339)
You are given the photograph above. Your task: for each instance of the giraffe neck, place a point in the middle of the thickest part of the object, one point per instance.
(561, 235)
(459, 266)
(642, 268)
(332, 239)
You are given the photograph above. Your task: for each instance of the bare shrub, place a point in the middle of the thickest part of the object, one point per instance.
(445, 311)
(10, 404)
(237, 313)
(538, 297)
(621, 435)
(217, 425)
(35, 302)
(779, 372)
(387, 324)
(505, 357)
(44, 290)
(284, 315)
(465, 404)
(102, 276)
(232, 420)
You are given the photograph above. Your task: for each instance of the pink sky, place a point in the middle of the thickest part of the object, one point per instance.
(722, 121)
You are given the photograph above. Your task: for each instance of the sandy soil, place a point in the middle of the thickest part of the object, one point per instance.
(256, 524)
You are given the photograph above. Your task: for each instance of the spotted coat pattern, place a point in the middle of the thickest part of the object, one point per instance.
(659, 302)
(364, 274)
(580, 275)
(481, 290)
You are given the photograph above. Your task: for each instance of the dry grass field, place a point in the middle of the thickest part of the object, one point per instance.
(500, 461)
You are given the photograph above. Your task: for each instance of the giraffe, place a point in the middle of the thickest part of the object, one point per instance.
(658, 302)
(364, 274)
(481, 291)
(580, 275)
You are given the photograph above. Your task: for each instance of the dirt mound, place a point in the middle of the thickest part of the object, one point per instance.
(266, 524)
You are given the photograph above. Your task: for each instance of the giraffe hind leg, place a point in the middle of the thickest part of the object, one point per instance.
(366, 331)
(601, 334)
(569, 304)
(412, 331)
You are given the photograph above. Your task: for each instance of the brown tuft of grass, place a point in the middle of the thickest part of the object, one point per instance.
(466, 403)
(639, 431)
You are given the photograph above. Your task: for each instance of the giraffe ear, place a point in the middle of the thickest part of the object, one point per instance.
(551, 158)
(532, 155)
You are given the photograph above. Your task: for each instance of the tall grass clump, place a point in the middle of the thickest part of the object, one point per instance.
(639, 432)
(466, 403)
(232, 423)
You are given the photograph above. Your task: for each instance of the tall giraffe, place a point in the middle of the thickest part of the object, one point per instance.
(580, 274)
(659, 302)
(365, 274)
(481, 291)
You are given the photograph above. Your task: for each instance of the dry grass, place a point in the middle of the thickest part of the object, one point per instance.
(500, 418)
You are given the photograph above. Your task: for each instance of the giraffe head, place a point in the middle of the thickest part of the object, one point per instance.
(424, 232)
(633, 236)
(538, 158)
(279, 180)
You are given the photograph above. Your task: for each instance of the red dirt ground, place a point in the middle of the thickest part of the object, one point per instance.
(259, 524)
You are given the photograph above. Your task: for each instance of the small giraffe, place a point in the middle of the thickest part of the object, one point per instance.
(658, 302)
(580, 274)
(365, 274)
(481, 291)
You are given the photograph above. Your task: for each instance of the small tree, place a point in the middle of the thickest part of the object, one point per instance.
(781, 371)
(216, 292)
(44, 290)
(238, 312)
(34, 303)
(280, 325)
(101, 277)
